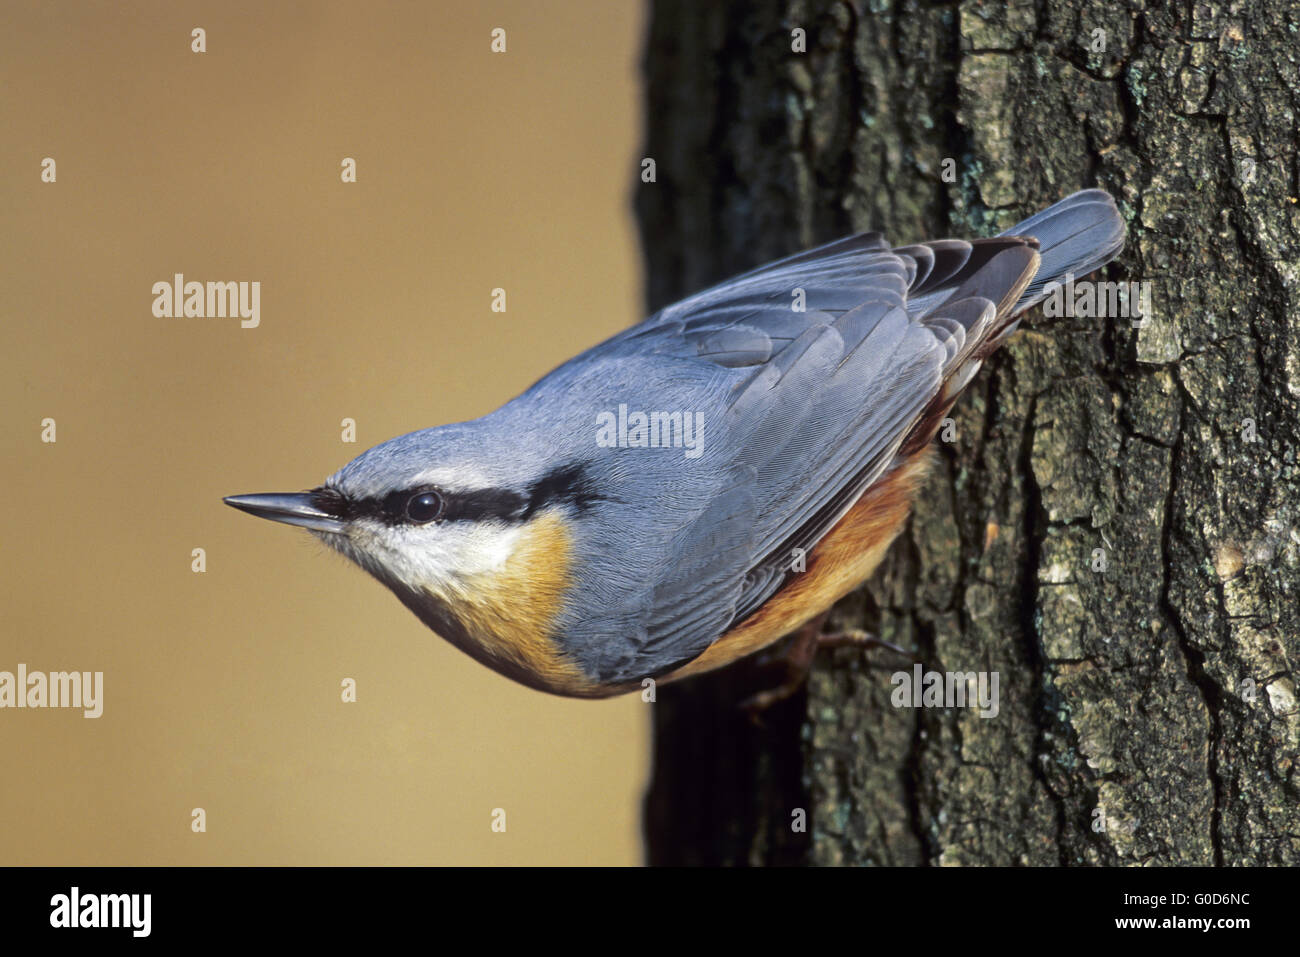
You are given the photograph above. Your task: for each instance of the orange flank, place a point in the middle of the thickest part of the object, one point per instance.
(839, 563)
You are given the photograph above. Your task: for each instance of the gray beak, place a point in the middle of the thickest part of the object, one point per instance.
(292, 508)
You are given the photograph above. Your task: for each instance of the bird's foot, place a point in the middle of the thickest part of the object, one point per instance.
(855, 638)
(798, 660)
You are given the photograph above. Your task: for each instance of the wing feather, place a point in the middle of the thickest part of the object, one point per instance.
(821, 400)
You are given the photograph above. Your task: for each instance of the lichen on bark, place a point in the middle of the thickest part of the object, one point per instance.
(1115, 527)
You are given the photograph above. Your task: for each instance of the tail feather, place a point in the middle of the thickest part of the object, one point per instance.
(973, 293)
(1076, 236)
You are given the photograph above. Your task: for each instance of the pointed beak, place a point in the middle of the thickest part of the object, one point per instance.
(292, 508)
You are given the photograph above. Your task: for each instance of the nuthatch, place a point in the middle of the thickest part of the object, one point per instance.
(579, 548)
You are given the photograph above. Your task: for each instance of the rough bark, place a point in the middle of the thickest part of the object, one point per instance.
(1128, 731)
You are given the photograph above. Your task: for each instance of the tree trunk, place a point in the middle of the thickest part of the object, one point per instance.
(1148, 707)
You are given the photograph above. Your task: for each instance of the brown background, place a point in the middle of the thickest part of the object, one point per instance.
(222, 689)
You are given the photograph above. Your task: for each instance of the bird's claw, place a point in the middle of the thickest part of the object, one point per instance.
(799, 657)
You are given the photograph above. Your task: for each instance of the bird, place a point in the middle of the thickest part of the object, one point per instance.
(707, 482)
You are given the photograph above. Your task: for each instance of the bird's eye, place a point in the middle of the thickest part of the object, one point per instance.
(424, 507)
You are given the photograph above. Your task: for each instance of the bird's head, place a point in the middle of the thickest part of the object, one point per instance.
(434, 510)
(476, 540)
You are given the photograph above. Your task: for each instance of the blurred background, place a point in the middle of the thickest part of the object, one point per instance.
(475, 171)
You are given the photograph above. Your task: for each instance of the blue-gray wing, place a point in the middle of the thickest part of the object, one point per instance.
(836, 355)
(827, 397)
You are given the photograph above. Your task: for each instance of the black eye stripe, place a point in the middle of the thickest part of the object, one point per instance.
(333, 502)
(392, 509)
(391, 506)
(563, 485)
(487, 503)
